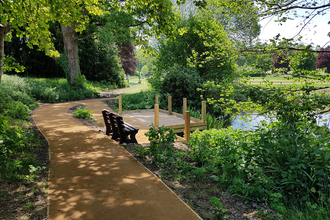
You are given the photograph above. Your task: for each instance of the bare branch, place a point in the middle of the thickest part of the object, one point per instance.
(287, 7)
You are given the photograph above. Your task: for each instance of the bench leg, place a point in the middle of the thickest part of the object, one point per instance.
(123, 139)
(115, 136)
(133, 139)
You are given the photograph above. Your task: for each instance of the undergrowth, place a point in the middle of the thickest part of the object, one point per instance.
(287, 169)
(18, 97)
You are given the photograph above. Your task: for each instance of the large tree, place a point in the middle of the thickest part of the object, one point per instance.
(239, 18)
(32, 19)
(145, 18)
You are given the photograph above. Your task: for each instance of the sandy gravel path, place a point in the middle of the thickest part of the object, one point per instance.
(92, 177)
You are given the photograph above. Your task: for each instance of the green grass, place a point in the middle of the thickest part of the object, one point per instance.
(136, 87)
(281, 81)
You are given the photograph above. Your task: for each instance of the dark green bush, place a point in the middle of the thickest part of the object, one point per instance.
(182, 82)
(143, 100)
(10, 107)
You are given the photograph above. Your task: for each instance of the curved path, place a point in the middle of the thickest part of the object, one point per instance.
(92, 177)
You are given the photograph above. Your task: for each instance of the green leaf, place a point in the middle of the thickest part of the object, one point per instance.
(327, 156)
(215, 178)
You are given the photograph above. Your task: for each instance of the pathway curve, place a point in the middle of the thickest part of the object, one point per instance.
(92, 177)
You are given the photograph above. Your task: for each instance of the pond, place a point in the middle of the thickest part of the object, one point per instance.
(254, 121)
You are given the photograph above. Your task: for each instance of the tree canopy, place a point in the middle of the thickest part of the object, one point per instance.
(198, 42)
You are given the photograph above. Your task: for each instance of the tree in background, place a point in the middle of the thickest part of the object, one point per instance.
(75, 17)
(303, 60)
(197, 42)
(323, 59)
(98, 58)
(99, 61)
(145, 70)
(145, 59)
(239, 19)
(127, 58)
(281, 63)
(35, 62)
(182, 82)
(147, 18)
(34, 16)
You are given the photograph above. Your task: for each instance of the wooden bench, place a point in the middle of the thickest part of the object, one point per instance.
(114, 124)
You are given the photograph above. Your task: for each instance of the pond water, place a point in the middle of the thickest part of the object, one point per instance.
(254, 121)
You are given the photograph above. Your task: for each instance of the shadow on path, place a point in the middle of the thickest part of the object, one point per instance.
(92, 177)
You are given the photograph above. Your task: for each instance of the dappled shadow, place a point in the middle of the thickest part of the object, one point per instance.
(92, 177)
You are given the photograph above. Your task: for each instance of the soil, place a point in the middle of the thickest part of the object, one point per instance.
(27, 199)
(196, 193)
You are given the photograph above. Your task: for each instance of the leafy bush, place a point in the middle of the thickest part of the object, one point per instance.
(14, 141)
(303, 61)
(99, 60)
(11, 107)
(273, 164)
(84, 113)
(59, 90)
(143, 100)
(161, 144)
(182, 82)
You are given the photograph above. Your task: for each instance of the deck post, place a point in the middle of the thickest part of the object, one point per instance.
(156, 97)
(187, 125)
(170, 105)
(204, 111)
(156, 115)
(120, 105)
(184, 108)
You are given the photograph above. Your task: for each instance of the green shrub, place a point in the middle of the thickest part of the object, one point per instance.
(272, 164)
(182, 82)
(84, 113)
(143, 100)
(59, 90)
(10, 107)
(14, 144)
(161, 144)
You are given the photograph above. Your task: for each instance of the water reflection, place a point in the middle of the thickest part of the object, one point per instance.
(252, 122)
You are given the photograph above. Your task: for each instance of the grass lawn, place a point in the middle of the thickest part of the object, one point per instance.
(280, 80)
(134, 86)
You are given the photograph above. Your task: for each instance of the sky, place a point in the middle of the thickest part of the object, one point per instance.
(315, 33)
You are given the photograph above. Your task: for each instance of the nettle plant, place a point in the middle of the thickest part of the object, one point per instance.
(84, 113)
(161, 144)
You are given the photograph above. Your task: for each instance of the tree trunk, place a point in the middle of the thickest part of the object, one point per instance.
(3, 32)
(71, 50)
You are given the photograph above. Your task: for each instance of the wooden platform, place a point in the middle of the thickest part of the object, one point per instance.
(174, 121)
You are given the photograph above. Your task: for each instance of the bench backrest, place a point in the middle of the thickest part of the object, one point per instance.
(110, 121)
